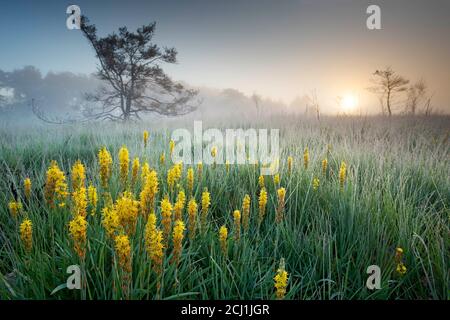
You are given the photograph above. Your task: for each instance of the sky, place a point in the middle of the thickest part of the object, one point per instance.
(278, 49)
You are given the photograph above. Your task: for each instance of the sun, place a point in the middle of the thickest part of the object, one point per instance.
(349, 102)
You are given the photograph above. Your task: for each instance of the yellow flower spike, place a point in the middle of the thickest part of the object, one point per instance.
(145, 137)
(315, 184)
(281, 195)
(166, 214)
(227, 166)
(290, 162)
(127, 209)
(262, 204)
(214, 151)
(78, 175)
(26, 234)
(93, 198)
(15, 207)
(190, 181)
(223, 235)
(306, 158)
(178, 235)
(124, 162)
(171, 147)
(154, 243)
(281, 280)
(79, 199)
(206, 202)
(77, 230)
(342, 175)
(55, 190)
(134, 170)
(148, 193)
(179, 205)
(192, 217)
(199, 171)
(237, 224)
(110, 221)
(105, 163)
(261, 181)
(324, 166)
(27, 188)
(145, 171)
(162, 158)
(276, 179)
(246, 212)
(123, 252)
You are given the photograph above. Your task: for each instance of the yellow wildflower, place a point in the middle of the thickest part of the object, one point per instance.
(178, 234)
(223, 234)
(15, 207)
(190, 180)
(154, 243)
(261, 181)
(281, 194)
(145, 136)
(123, 251)
(124, 161)
(281, 280)
(166, 214)
(171, 147)
(324, 166)
(148, 193)
(206, 202)
(316, 183)
(27, 188)
(78, 175)
(55, 190)
(276, 179)
(306, 158)
(262, 204)
(342, 174)
(199, 170)
(237, 224)
(290, 161)
(246, 212)
(79, 202)
(134, 170)
(105, 163)
(127, 209)
(179, 205)
(162, 158)
(110, 220)
(145, 171)
(26, 234)
(93, 198)
(77, 230)
(192, 216)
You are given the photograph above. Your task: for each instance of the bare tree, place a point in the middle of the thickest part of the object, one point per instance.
(415, 95)
(387, 84)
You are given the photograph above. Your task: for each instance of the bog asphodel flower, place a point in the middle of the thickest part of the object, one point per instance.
(171, 147)
(290, 162)
(192, 217)
(261, 181)
(306, 158)
(178, 235)
(127, 209)
(15, 207)
(237, 224)
(78, 175)
(154, 243)
(276, 179)
(206, 202)
(79, 200)
(262, 204)
(93, 198)
(281, 195)
(148, 193)
(174, 175)
(134, 170)
(324, 166)
(77, 230)
(166, 214)
(145, 171)
(105, 163)
(27, 188)
(401, 268)
(162, 158)
(55, 190)
(110, 221)
(281, 280)
(214, 151)
(26, 234)
(124, 162)
(145, 137)
(123, 252)
(315, 184)
(223, 235)
(179, 205)
(190, 180)
(342, 174)
(246, 212)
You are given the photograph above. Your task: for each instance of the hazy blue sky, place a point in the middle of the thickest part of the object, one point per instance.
(279, 49)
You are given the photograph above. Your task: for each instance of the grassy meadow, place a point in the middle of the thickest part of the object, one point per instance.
(395, 194)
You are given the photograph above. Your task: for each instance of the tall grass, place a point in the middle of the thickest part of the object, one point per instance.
(397, 194)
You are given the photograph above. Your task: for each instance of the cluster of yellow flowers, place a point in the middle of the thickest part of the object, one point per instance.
(14, 208)
(127, 210)
(306, 158)
(27, 188)
(105, 163)
(134, 170)
(206, 202)
(262, 204)
(342, 174)
(123, 251)
(154, 243)
(78, 175)
(178, 234)
(401, 268)
(174, 175)
(148, 193)
(192, 216)
(55, 191)
(223, 235)
(179, 205)
(281, 280)
(77, 230)
(281, 194)
(26, 234)
(246, 212)
(145, 136)
(166, 214)
(124, 162)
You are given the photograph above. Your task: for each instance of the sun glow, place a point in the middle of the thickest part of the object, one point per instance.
(349, 102)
